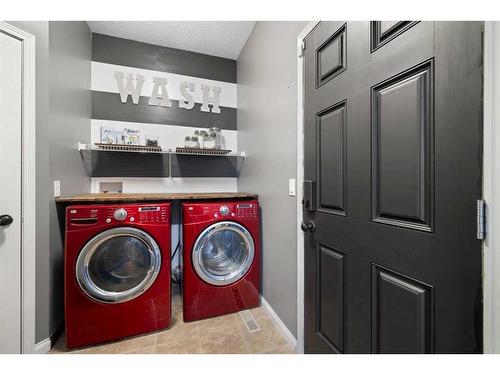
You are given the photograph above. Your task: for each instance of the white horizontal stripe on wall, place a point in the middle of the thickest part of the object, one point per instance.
(169, 136)
(103, 80)
(169, 185)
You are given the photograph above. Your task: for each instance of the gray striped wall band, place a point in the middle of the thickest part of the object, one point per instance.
(108, 106)
(119, 51)
(123, 164)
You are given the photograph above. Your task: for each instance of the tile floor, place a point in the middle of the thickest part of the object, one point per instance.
(221, 335)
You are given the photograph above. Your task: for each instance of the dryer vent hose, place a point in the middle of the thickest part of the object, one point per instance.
(177, 271)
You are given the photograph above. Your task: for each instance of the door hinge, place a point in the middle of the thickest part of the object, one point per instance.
(302, 48)
(481, 219)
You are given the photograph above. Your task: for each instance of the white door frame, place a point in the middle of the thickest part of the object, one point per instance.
(491, 187)
(28, 233)
(300, 183)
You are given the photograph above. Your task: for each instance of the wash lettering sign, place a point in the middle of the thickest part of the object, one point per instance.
(132, 85)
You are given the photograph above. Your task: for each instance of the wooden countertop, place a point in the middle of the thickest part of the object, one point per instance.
(145, 197)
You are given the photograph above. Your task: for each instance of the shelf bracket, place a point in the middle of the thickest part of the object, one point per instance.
(170, 165)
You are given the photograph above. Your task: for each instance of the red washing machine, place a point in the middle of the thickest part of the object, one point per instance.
(221, 258)
(117, 271)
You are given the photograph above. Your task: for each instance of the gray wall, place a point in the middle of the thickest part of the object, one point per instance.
(267, 128)
(70, 51)
(63, 53)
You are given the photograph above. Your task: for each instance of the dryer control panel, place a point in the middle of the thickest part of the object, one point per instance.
(247, 210)
(223, 210)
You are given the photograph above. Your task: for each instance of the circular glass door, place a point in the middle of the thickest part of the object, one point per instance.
(118, 265)
(223, 253)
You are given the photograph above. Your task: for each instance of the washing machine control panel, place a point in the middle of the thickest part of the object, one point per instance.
(153, 214)
(143, 214)
(80, 216)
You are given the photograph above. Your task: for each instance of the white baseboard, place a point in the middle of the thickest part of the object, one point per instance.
(43, 347)
(279, 323)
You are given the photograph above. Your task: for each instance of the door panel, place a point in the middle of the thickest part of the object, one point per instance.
(388, 26)
(384, 31)
(402, 313)
(331, 297)
(331, 57)
(393, 152)
(331, 159)
(402, 149)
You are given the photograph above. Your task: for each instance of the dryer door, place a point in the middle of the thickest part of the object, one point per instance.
(223, 253)
(118, 265)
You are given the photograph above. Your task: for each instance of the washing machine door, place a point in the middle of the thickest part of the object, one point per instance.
(118, 265)
(223, 253)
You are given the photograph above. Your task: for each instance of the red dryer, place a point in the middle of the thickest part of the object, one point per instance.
(221, 258)
(117, 271)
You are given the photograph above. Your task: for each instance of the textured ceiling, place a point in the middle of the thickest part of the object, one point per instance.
(217, 38)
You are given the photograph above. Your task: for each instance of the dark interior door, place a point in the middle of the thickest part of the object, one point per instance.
(393, 135)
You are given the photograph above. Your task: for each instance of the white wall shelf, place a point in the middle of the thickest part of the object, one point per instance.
(158, 150)
(122, 148)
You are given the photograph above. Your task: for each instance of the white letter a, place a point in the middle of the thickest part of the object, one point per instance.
(157, 98)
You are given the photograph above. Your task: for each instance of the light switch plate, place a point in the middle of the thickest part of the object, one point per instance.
(291, 187)
(57, 189)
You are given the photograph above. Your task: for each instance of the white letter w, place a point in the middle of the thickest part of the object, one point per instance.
(129, 89)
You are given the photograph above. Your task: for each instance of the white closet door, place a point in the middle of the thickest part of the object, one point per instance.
(10, 193)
